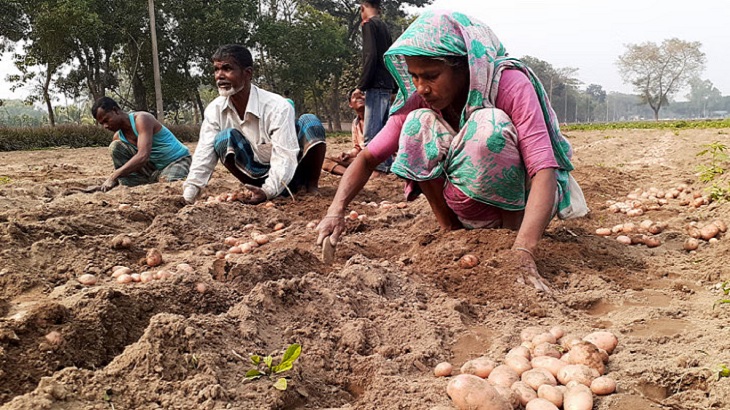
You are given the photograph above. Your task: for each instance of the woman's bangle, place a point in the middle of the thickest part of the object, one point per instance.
(529, 252)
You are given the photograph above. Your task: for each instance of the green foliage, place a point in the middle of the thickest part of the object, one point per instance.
(718, 159)
(711, 173)
(723, 372)
(5, 180)
(72, 136)
(646, 125)
(265, 366)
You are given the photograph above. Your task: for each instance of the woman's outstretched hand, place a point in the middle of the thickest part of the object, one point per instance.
(332, 226)
(525, 263)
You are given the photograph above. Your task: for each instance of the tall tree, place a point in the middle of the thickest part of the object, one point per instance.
(702, 93)
(658, 71)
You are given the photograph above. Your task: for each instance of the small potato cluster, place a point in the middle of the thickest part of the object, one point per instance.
(243, 245)
(709, 232)
(632, 234)
(640, 201)
(125, 275)
(548, 371)
(230, 197)
(385, 205)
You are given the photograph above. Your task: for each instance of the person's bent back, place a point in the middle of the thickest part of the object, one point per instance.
(143, 150)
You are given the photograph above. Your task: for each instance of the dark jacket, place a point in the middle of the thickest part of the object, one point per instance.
(375, 42)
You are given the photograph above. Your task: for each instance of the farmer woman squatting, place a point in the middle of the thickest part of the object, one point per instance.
(474, 132)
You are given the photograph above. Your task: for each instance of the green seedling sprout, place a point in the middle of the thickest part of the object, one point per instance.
(723, 372)
(265, 366)
(725, 288)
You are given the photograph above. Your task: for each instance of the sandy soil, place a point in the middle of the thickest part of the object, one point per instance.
(373, 325)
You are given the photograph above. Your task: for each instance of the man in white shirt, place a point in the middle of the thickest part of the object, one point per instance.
(254, 134)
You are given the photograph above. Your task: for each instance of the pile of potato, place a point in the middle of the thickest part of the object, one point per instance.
(124, 274)
(709, 232)
(243, 245)
(548, 371)
(640, 200)
(631, 234)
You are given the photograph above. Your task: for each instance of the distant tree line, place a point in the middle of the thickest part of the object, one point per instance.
(70, 52)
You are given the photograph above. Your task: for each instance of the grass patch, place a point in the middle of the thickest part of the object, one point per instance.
(649, 125)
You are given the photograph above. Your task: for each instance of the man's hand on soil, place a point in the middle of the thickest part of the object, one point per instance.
(110, 183)
(257, 195)
(190, 192)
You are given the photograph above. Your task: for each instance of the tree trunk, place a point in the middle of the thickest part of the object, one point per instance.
(656, 113)
(200, 105)
(140, 93)
(335, 105)
(46, 96)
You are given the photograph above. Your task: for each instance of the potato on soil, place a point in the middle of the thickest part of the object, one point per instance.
(146, 276)
(184, 267)
(122, 270)
(87, 279)
(540, 404)
(546, 349)
(509, 395)
(691, 244)
(577, 372)
(709, 231)
(546, 337)
(603, 385)
(549, 363)
(503, 375)
(154, 258)
(524, 392)
(519, 351)
(720, 225)
(603, 231)
(469, 392)
(603, 340)
(54, 338)
(480, 367)
(121, 242)
(537, 377)
(529, 333)
(569, 340)
(125, 278)
(557, 332)
(519, 364)
(587, 353)
(468, 261)
(578, 397)
(551, 393)
(443, 369)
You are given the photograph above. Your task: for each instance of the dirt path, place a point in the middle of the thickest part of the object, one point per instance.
(374, 324)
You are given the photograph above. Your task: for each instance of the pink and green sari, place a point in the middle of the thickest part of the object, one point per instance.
(481, 159)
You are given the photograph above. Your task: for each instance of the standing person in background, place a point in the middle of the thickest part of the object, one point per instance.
(253, 133)
(375, 81)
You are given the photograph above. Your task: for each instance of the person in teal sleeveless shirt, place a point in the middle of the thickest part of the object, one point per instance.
(143, 150)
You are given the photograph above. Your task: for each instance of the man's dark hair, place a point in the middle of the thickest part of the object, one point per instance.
(237, 52)
(349, 94)
(105, 103)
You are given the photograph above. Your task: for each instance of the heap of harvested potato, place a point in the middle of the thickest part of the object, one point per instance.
(548, 371)
(640, 200)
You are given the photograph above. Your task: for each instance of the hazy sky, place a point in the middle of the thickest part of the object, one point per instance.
(587, 34)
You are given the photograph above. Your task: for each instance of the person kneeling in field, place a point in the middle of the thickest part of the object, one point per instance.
(473, 130)
(338, 164)
(254, 134)
(143, 150)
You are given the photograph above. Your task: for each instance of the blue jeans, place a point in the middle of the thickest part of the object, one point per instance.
(377, 105)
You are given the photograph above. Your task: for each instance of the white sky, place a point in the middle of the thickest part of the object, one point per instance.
(590, 35)
(586, 34)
